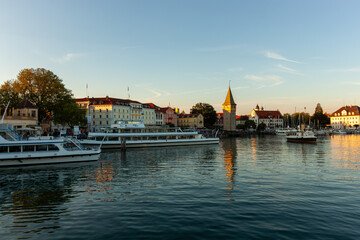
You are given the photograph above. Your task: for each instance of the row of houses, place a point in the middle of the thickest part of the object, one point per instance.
(102, 112)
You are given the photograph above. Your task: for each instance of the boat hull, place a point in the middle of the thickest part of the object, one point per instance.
(149, 143)
(302, 140)
(23, 160)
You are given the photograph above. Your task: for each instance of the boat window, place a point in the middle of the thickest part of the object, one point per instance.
(52, 147)
(14, 148)
(30, 148)
(4, 149)
(41, 148)
(113, 138)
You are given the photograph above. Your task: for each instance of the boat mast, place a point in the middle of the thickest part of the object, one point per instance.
(2, 119)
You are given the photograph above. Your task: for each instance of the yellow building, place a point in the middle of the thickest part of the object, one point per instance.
(102, 112)
(345, 117)
(25, 114)
(191, 120)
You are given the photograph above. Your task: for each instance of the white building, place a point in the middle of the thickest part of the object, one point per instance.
(159, 115)
(345, 117)
(272, 119)
(102, 112)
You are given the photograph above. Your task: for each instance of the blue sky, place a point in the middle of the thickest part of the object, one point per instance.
(282, 55)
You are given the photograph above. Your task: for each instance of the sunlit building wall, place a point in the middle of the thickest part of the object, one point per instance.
(345, 117)
(191, 120)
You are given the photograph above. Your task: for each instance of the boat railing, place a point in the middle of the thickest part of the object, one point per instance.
(76, 142)
(13, 135)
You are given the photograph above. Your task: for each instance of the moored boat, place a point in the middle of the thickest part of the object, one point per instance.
(16, 150)
(134, 134)
(301, 137)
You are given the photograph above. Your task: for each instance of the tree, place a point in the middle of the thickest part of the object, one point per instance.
(250, 124)
(70, 114)
(7, 94)
(319, 118)
(46, 90)
(207, 111)
(261, 127)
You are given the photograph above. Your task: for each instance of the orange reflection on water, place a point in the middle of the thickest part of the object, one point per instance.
(102, 177)
(345, 151)
(229, 158)
(253, 149)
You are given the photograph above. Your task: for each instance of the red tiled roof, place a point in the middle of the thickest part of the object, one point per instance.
(152, 106)
(268, 114)
(107, 101)
(348, 109)
(165, 109)
(242, 117)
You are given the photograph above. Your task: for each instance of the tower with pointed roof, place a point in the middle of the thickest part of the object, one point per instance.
(229, 112)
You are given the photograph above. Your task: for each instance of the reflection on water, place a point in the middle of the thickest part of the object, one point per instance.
(345, 150)
(278, 190)
(230, 154)
(33, 197)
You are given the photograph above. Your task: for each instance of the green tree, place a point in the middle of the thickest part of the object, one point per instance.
(7, 94)
(70, 114)
(261, 127)
(250, 124)
(207, 111)
(46, 90)
(320, 119)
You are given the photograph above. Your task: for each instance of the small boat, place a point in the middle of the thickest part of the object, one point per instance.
(320, 133)
(339, 132)
(16, 150)
(133, 134)
(301, 137)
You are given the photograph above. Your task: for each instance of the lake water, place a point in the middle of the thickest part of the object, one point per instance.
(243, 188)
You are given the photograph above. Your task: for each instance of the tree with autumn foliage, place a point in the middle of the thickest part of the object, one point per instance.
(44, 89)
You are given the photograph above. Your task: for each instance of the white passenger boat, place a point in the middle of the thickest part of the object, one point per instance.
(134, 134)
(301, 137)
(16, 150)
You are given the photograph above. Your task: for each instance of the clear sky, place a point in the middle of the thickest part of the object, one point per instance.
(282, 55)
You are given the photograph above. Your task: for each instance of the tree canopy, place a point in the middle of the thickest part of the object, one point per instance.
(319, 118)
(44, 89)
(207, 111)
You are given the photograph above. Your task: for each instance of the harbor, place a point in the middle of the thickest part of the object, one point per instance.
(250, 187)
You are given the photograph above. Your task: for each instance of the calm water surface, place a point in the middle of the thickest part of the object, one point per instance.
(243, 188)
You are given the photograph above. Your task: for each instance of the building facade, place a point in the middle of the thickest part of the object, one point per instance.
(170, 116)
(240, 120)
(159, 116)
(272, 119)
(25, 114)
(191, 120)
(102, 112)
(345, 117)
(229, 112)
(219, 123)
